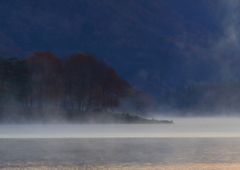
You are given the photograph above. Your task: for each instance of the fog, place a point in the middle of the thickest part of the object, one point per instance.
(189, 143)
(182, 127)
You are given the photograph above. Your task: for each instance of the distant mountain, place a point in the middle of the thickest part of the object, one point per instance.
(154, 44)
(201, 100)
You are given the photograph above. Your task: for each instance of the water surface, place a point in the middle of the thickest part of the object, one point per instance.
(120, 153)
(212, 143)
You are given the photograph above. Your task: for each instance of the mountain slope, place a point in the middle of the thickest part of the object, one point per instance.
(156, 43)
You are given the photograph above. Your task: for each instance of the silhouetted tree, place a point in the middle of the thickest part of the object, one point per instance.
(92, 84)
(113, 88)
(79, 78)
(44, 80)
(46, 71)
(15, 79)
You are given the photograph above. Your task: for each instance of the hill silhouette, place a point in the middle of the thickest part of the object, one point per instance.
(149, 43)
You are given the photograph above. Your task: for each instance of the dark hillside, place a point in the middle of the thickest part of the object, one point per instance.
(202, 100)
(163, 42)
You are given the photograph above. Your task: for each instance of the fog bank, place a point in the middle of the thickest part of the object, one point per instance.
(182, 127)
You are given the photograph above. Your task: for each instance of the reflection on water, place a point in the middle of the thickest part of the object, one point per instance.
(219, 166)
(211, 127)
(120, 153)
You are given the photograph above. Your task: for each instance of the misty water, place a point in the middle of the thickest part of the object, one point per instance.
(182, 127)
(199, 143)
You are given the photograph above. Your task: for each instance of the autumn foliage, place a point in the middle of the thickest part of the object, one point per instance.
(79, 82)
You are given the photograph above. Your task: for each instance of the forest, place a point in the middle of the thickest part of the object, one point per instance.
(220, 99)
(79, 82)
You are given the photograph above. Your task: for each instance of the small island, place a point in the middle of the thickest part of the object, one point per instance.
(30, 115)
(80, 89)
(120, 118)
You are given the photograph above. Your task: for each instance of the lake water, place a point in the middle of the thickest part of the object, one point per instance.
(187, 144)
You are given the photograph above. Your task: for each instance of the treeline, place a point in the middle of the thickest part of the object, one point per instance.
(202, 100)
(79, 82)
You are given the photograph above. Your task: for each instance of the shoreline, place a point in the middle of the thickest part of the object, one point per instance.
(31, 115)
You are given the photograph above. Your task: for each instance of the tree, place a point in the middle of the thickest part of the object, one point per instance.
(15, 79)
(91, 84)
(113, 88)
(46, 70)
(137, 102)
(80, 80)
